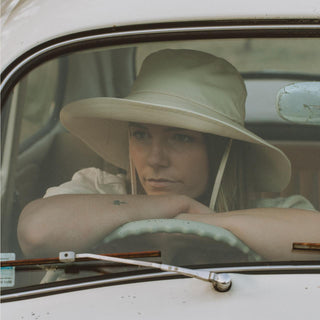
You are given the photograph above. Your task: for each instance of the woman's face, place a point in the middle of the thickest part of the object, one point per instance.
(169, 160)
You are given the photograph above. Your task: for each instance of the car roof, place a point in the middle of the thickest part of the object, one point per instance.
(27, 23)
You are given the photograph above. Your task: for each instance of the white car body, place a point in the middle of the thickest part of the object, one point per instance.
(23, 18)
(251, 297)
(31, 29)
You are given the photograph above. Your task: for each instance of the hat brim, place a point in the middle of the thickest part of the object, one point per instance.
(102, 124)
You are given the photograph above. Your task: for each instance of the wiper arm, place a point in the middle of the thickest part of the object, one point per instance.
(220, 281)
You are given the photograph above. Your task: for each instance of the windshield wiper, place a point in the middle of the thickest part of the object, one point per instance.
(220, 281)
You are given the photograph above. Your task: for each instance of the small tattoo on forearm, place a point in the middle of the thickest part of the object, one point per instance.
(118, 202)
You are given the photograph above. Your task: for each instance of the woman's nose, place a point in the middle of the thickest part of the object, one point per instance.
(157, 155)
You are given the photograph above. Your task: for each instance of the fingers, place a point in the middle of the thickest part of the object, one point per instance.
(196, 207)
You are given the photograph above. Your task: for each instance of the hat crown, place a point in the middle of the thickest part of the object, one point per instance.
(207, 83)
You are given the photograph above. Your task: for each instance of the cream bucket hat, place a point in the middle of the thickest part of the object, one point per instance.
(180, 88)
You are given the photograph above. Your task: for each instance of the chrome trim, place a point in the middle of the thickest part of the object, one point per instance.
(153, 31)
(253, 269)
(89, 284)
(82, 285)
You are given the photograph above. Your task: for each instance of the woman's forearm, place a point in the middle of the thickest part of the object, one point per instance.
(79, 222)
(270, 232)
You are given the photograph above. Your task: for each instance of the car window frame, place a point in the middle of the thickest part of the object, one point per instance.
(80, 42)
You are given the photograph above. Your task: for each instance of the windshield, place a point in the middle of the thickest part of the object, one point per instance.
(167, 151)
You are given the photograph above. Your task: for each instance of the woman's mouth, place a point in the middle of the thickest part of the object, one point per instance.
(159, 183)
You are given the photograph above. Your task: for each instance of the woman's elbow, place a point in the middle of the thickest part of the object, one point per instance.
(31, 232)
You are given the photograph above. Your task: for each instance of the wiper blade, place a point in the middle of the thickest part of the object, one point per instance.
(48, 261)
(220, 281)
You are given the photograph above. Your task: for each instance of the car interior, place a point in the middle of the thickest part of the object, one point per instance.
(44, 154)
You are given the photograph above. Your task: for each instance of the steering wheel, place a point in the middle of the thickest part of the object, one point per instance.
(218, 234)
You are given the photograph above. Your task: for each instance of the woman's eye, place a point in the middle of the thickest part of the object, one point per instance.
(183, 137)
(139, 134)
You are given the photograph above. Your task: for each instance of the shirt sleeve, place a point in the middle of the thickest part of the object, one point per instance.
(90, 181)
(294, 201)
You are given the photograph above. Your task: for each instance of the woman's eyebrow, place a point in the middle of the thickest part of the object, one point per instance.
(173, 129)
(176, 129)
(167, 129)
(135, 124)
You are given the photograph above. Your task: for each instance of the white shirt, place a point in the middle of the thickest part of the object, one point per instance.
(91, 181)
(97, 181)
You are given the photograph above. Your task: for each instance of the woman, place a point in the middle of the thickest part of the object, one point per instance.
(179, 136)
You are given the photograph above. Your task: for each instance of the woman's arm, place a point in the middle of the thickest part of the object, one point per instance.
(269, 231)
(79, 222)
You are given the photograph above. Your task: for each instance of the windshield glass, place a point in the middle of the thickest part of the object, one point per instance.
(174, 147)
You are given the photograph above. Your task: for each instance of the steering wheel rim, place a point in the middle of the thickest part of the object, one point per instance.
(141, 227)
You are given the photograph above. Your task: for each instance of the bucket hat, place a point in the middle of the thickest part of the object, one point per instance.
(180, 88)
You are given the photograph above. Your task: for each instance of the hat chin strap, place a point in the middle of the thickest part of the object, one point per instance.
(133, 178)
(217, 182)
